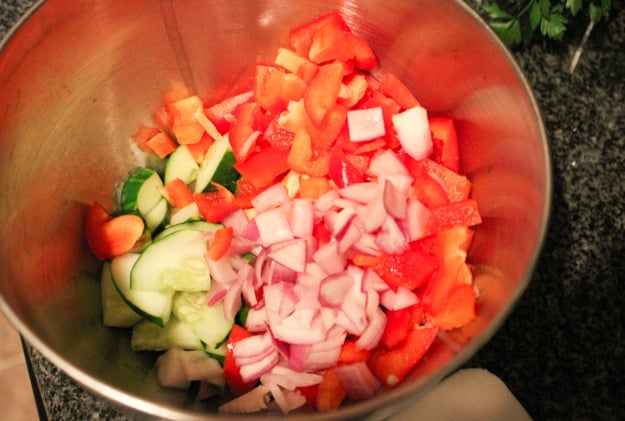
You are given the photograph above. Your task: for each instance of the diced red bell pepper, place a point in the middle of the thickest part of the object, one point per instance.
(367, 147)
(355, 88)
(399, 323)
(393, 87)
(143, 134)
(364, 57)
(411, 269)
(220, 243)
(350, 353)
(215, 205)
(296, 64)
(456, 185)
(274, 88)
(177, 193)
(221, 113)
(322, 233)
(198, 150)
(232, 372)
(455, 214)
(109, 237)
(445, 142)
(300, 157)
(437, 292)
(245, 192)
(391, 366)
(322, 91)
(458, 310)
(240, 134)
(278, 137)
(324, 134)
(313, 187)
(262, 167)
(330, 392)
(428, 190)
(161, 144)
(330, 43)
(184, 127)
(301, 38)
(342, 171)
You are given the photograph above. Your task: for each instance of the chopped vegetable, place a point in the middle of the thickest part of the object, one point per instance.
(307, 240)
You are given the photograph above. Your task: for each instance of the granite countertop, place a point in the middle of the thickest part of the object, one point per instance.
(561, 351)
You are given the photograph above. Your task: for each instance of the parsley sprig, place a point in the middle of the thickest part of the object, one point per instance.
(518, 21)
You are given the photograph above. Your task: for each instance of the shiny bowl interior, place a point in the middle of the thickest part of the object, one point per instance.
(78, 76)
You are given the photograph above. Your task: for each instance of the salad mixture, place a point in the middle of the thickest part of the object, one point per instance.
(304, 243)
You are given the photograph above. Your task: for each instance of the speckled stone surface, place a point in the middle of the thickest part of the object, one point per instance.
(561, 352)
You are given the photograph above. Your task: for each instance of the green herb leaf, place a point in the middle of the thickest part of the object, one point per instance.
(574, 6)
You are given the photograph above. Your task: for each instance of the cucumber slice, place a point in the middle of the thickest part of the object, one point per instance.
(173, 263)
(188, 213)
(201, 226)
(208, 322)
(141, 191)
(157, 216)
(153, 306)
(218, 166)
(218, 353)
(181, 164)
(115, 310)
(147, 336)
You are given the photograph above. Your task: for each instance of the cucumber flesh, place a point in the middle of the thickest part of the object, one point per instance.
(174, 262)
(186, 214)
(147, 336)
(157, 216)
(217, 166)
(201, 226)
(115, 311)
(154, 306)
(141, 191)
(208, 322)
(182, 165)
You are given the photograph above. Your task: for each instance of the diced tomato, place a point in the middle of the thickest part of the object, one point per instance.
(330, 392)
(393, 87)
(220, 243)
(455, 214)
(262, 167)
(342, 171)
(322, 91)
(458, 310)
(109, 237)
(350, 353)
(411, 269)
(391, 366)
(313, 187)
(445, 142)
(301, 38)
(215, 205)
(161, 144)
(232, 372)
(177, 193)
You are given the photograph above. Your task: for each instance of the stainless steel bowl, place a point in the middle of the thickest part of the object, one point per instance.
(76, 78)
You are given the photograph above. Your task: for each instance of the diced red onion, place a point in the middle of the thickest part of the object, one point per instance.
(237, 220)
(297, 356)
(271, 197)
(397, 300)
(365, 124)
(253, 371)
(329, 258)
(370, 338)
(358, 380)
(391, 238)
(273, 226)
(340, 223)
(290, 379)
(349, 237)
(372, 280)
(217, 296)
(394, 201)
(360, 192)
(325, 202)
(417, 216)
(255, 400)
(334, 289)
(387, 163)
(252, 349)
(221, 270)
(413, 131)
(373, 214)
(256, 320)
(366, 245)
(291, 254)
(302, 218)
(250, 231)
(232, 300)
